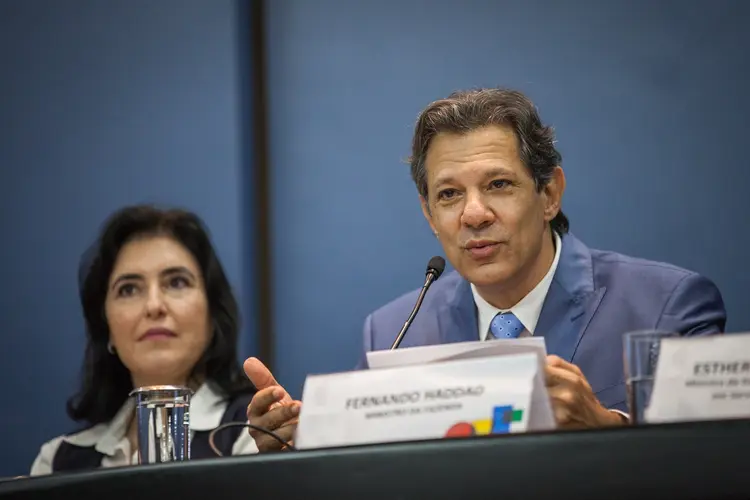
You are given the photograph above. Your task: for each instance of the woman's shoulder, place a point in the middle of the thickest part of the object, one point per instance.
(86, 437)
(43, 462)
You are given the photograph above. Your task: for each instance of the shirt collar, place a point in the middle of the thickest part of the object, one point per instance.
(528, 309)
(206, 409)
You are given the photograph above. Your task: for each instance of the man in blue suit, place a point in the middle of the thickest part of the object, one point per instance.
(491, 186)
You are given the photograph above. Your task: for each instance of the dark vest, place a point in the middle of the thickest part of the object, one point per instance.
(70, 457)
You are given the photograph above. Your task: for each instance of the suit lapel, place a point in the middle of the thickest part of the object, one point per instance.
(564, 319)
(571, 300)
(457, 322)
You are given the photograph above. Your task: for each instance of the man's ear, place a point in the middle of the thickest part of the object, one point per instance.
(427, 214)
(553, 193)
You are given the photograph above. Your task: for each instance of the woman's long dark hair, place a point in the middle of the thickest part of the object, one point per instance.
(106, 381)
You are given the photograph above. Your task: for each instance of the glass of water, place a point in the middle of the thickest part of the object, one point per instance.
(163, 421)
(641, 350)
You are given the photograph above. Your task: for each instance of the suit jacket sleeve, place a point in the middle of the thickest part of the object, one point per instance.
(695, 307)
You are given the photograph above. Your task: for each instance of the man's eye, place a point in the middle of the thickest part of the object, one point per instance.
(447, 194)
(500, 183)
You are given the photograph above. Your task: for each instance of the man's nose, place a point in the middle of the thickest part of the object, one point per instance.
(476, 213)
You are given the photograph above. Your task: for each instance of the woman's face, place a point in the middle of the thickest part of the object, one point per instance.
(157, 311)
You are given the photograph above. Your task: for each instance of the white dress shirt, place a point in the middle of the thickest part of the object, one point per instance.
(110, 439)
(527, 310)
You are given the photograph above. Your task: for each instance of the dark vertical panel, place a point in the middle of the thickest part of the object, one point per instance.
(260, 188)
(247, 175)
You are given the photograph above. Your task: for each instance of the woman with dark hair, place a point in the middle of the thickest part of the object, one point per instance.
(159, 310)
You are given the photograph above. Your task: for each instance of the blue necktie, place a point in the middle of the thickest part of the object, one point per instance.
(505, 326)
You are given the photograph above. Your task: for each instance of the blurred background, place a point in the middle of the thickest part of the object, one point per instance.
(285, 125)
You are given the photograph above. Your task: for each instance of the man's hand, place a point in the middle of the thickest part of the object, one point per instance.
(271, 408)
(573, 401)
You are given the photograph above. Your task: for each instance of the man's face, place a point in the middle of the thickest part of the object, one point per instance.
(485, 208)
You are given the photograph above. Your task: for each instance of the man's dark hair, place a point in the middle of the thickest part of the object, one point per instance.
(106, 382)
(465, 111)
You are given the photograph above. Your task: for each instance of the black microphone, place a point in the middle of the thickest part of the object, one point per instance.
(435, 268)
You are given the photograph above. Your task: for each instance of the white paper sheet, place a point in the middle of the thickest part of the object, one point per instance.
(458, 350)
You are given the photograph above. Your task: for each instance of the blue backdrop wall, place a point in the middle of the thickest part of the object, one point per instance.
(105, 104)
(649, 101)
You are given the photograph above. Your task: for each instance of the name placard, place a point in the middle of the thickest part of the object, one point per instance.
(445, 399)
(701, 378)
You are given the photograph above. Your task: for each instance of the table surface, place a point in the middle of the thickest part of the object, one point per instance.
(706, 460)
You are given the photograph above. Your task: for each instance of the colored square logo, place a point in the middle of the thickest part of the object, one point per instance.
(502, 418)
